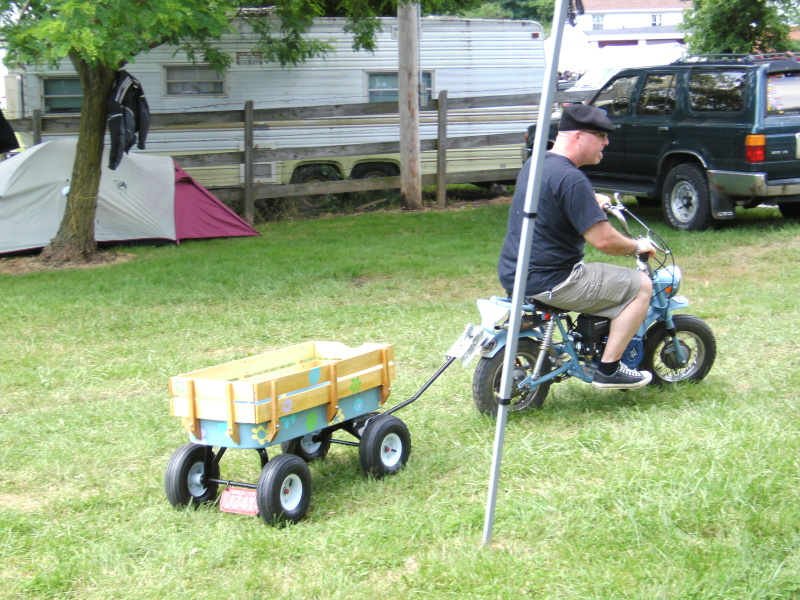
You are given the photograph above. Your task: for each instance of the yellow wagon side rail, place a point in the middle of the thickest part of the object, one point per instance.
(273, 385)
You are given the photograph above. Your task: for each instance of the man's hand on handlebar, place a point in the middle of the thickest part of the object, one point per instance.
(645, 248)
(604, 201)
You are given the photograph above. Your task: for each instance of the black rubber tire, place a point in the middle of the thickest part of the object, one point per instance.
(184, 478)
(686, 199)
(697, 340)
(790, 210)
(311, 174)
(283, 492)
(370, 170)
(385, 446)
(489, 372)
(306, 448)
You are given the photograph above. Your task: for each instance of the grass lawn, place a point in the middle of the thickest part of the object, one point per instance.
(687, 492)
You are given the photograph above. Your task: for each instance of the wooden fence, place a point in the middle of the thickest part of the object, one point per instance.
(252, 120)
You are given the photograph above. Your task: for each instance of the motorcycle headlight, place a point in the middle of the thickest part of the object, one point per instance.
(669, 280)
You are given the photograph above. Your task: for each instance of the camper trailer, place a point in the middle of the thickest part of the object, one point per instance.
(467, 58)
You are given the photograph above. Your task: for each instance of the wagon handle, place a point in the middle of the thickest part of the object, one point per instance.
(421, 390)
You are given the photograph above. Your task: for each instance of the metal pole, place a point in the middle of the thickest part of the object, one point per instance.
(521, 276)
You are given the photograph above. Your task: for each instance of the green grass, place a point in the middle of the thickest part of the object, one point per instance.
(689, 492)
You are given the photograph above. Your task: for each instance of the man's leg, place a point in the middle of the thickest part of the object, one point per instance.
(624, 326)
(611, 373)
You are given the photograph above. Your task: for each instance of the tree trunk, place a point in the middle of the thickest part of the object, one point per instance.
(75, 241)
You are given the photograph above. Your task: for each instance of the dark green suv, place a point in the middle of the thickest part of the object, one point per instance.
(704, 135)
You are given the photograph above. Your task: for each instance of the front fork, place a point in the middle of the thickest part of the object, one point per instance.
(677, 347)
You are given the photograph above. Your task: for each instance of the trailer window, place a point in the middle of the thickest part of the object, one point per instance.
(62, 95)
(383, 87)
(194, 80)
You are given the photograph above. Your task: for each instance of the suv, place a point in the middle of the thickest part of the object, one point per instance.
(703, 135)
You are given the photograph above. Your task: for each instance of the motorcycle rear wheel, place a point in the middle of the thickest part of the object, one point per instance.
(489, 372)
(697, 342)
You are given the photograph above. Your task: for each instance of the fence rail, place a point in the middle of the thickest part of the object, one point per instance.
(251, 120)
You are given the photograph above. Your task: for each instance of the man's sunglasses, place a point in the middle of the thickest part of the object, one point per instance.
(602, 135)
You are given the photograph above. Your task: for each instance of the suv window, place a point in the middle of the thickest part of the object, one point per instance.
(719, 91)
(658, 95)
(615, 97)
(783, 94)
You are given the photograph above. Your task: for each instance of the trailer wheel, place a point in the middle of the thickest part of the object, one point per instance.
(307, 447)
(314, 173)
(370, 170)
(385, 446)
(283, 492)
(185, 479)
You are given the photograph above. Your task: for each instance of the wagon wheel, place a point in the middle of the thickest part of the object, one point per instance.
(385, 446)
(283, 492)
(186, 478)
(313, 446)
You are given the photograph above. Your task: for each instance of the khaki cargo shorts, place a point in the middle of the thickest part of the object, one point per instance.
(596, 289)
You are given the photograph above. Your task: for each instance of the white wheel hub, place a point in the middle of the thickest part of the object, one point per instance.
(391, 450)
(195, 480)
(291, 492)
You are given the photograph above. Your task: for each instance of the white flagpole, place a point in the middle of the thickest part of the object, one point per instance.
(531, 205)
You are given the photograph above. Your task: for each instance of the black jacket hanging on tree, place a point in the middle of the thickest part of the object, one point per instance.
(8, 141)
(128, 114)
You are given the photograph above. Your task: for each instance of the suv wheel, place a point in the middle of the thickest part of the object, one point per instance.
(686, 199)
(790, 210)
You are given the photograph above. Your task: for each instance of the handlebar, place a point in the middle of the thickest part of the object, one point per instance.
(619, 210)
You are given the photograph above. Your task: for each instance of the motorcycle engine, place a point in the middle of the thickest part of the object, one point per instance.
(591, 333)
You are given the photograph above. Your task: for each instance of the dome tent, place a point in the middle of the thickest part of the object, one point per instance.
(146, 198)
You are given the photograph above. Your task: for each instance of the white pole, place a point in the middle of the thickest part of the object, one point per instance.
(531, 205)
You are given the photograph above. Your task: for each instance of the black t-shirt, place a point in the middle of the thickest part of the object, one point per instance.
(567, 208)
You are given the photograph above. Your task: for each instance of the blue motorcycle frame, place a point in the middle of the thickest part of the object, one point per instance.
(673, 347)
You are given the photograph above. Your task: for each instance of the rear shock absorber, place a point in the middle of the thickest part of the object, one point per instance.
(544, 346)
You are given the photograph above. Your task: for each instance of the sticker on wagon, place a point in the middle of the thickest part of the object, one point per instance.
(238, 500)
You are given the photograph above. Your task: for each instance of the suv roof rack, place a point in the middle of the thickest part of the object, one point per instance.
(736, 58)
(722, 57)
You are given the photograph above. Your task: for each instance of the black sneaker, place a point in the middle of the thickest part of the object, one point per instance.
(622, 379)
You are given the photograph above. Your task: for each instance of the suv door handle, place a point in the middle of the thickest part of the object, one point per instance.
(663, 128)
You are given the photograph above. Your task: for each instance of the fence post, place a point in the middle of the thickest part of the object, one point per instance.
(408, 106)
(441, 151)
(37, 126)
(249, 152)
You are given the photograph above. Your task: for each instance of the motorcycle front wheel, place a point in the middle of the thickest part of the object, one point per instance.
(697, 342)
(489, 372)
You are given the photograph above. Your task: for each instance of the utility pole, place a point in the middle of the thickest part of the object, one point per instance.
(408, 100)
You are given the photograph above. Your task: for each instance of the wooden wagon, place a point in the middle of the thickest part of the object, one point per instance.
(296, 397)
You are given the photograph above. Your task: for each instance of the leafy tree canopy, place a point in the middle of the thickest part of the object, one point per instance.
(740, 26)
(532, 10)
(113, 32)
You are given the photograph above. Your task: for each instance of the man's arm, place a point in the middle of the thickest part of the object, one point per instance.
(608, 240)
